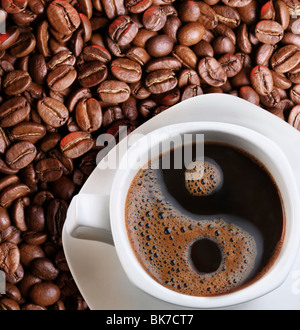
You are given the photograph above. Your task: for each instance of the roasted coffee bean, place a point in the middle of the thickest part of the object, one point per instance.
(45, 293)
(249, 94)
(269, 32)
(243, 40)
(191, 33)
(63, 17)
(237, 3)
(49, 169)
(294, 117)
(61, 77)
(154, 18)
(16, 82)
(27, 131)
(11, 193)
(88, 114)
(52, 112)
(18, 213)
(262, 80)
(160, 81)
(9, 257)
(208, 16)
(9, 38)
(20, 154)
(76, 144)
(35, 218)
(295, 94)
(92, 73)
(4, 219)
(211, 71)
(285, 59)
(63, 57)
(161, 63)
(96, 53)
(55, 218)
(264, 53)
(24, 45)
(231, 64)
(160, 45)
(227, 15)
(15, 6)
(171, 27)
(28, 252)
(137, 7)
(122, 30)
(186, 56)
(280, 80)
(126, 70)
(191, 91)
(113, 91)
(113, 8)
(189, 11)
(271, 99)
(223, 45)
(44, 269)
(13, 111)
(4, 141)
(63, 188)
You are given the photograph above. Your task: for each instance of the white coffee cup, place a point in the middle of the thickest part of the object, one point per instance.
(254, 143)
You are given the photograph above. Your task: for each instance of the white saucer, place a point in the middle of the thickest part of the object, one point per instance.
(95, 265)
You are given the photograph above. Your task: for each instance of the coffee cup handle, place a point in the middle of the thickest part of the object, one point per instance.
(88, 218)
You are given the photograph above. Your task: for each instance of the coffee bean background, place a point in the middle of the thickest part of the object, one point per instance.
(71, 70)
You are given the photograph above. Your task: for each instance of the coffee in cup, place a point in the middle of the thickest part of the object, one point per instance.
(208, 228)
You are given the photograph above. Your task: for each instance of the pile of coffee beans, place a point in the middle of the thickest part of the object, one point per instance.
(71, 70)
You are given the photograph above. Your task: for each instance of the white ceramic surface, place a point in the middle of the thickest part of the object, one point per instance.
(103, 283)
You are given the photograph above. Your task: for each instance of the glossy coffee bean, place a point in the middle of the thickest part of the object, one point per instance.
(88, 114)
(262, 80)
(9, 257)
(49, 169)
(61, 77)
(53, 112)
(269, 32)
(27, 131)
(160, 81)
(76, 144)
(211, 71)
(126, 70)
(285, 59)
(16, 82)
(13, 192)
(154, 18)
(92, 73)
(113, 91)
(63, 17)
(20, 154)
(44, 293)
(160, 45)
(13, 111)
(191, 33)
(231, 64)
(122, 30)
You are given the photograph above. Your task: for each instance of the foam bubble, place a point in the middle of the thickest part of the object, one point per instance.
(203, 178)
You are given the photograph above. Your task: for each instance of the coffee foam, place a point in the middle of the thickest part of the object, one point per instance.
(162, 237)
(202, 178)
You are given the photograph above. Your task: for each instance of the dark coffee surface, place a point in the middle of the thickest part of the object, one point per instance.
(207, 243)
